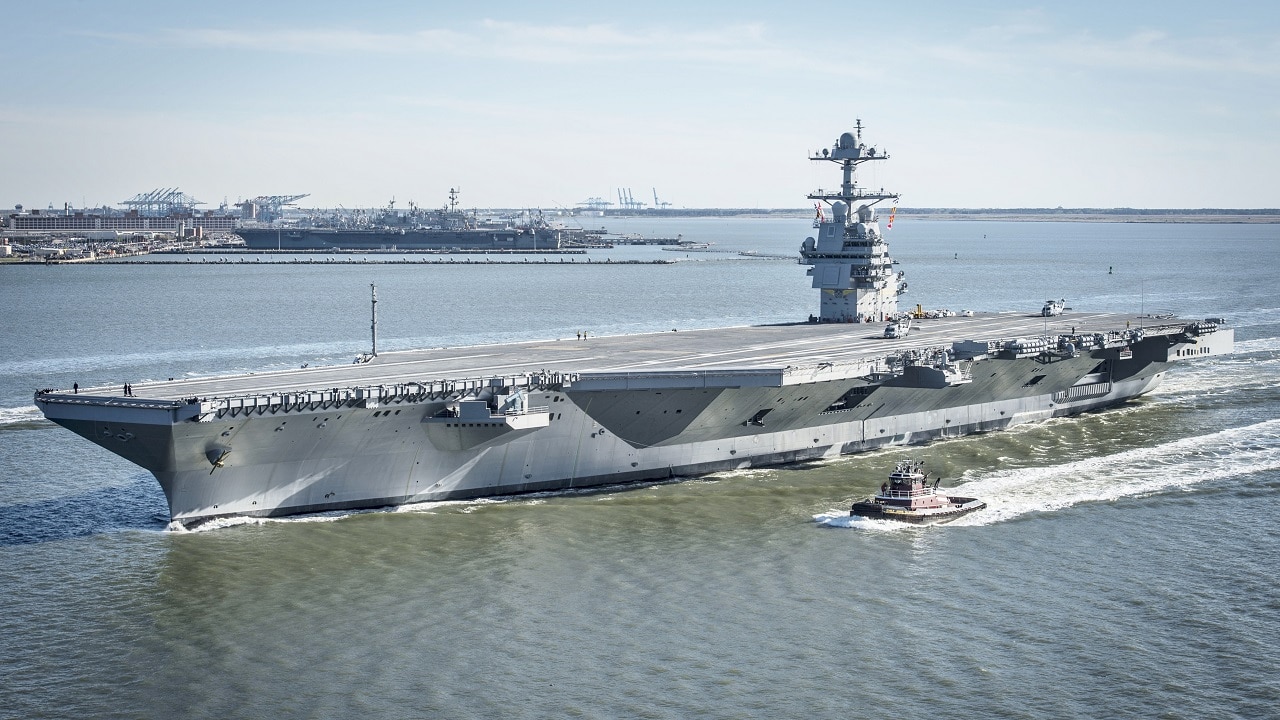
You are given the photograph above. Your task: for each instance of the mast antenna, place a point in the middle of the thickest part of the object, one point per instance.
(373, 327)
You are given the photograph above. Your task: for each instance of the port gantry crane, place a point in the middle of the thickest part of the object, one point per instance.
(162, 202)
(628, 202)
(270, 207)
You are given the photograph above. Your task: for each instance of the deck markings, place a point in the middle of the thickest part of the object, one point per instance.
(738, 348)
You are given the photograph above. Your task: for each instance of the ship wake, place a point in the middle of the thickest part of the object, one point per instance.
(1179, 466)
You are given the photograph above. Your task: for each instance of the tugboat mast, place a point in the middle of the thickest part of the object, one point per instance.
(851, 264)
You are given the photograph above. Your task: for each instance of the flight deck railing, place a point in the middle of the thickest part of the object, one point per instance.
(376, 396)
(204, 409)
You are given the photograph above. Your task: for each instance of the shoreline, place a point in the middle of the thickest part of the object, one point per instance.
(343, 261)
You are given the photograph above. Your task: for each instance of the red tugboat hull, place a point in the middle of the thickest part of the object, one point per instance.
(958, 506)
(909, 497)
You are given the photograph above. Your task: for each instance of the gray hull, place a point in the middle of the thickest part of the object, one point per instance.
(280, 454)
(498, 239)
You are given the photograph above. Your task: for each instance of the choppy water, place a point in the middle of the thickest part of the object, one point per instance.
(1125, 566)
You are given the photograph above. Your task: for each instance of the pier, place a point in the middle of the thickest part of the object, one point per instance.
(367, 261)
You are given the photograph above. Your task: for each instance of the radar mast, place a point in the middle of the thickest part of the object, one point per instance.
(849, 257)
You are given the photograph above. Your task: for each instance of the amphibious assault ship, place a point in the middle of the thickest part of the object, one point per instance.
(441, 424)
(417, 229)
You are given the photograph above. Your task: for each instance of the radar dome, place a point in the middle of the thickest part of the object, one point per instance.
(866, 214)
(847, 141)
(839, 211)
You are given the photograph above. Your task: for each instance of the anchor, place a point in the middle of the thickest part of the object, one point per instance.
(216, 456)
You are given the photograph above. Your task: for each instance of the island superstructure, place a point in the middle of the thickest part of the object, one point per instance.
(456, 423)
(850, 258)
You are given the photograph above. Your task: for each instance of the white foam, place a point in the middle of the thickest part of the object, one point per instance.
(177, 527)
(1175, 466)
(739, 473)
(1258, 345)
(1231, 373)
(425, 507)
(838, 519)
(20, 415)
(238, 520)
(432, 505)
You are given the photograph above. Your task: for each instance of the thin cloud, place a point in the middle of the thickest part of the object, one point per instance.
(322, 41)
(1155, 50)
(1004, 49)
(733, 44)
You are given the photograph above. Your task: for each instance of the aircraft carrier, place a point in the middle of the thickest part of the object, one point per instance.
(494, 420)
(418, 229)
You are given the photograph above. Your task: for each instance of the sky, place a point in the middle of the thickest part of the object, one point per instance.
(712, 104)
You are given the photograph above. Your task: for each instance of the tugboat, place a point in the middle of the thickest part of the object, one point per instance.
(908, 497)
